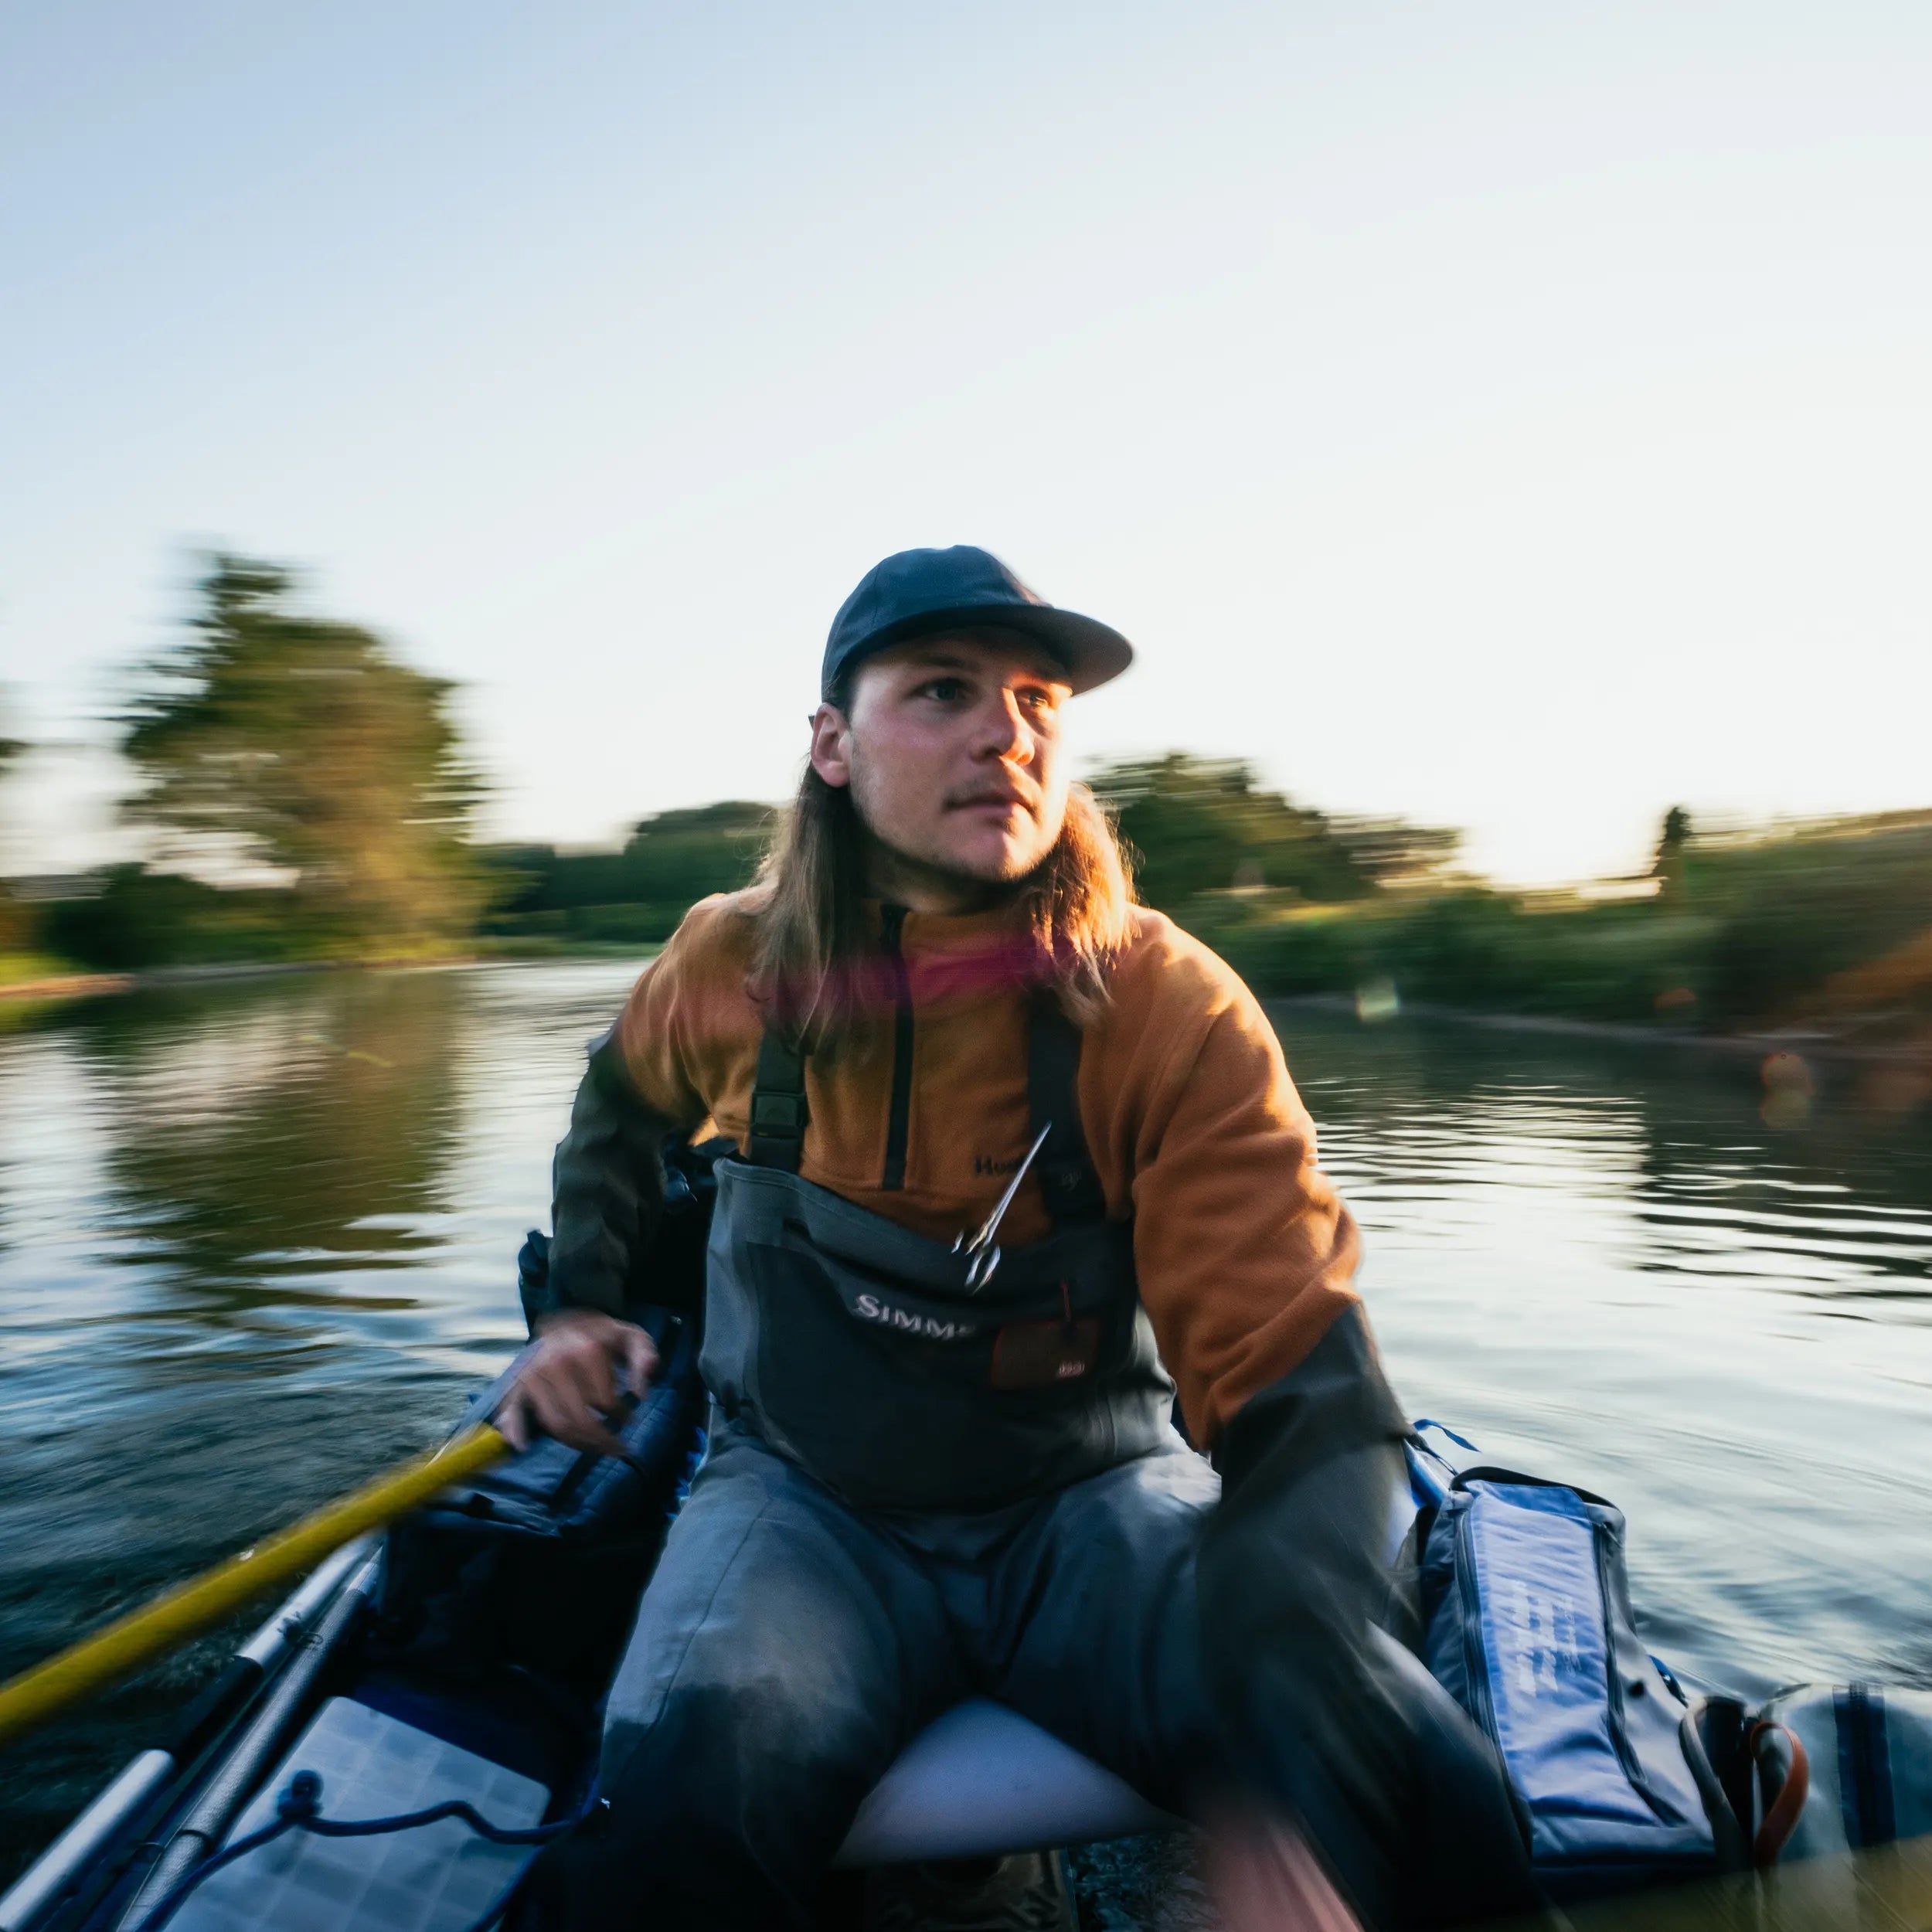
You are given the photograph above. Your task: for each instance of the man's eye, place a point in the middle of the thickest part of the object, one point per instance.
(945, 689)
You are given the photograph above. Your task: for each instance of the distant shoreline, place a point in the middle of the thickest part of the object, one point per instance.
(1736, 1046)
(1733, 1047)
(64, 986)
(95, 985)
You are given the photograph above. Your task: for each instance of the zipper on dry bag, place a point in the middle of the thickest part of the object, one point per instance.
(898, 1124)
(1619, 1730)
(1475, 1661)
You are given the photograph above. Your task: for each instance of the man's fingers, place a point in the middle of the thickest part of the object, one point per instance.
(572, 1382)
(510, 1421)
(562, 1417)
(576, 1427)
(640, 1360)
(587, 1372)
(560, 1412)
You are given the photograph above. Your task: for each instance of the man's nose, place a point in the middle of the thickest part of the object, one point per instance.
(1004, 732)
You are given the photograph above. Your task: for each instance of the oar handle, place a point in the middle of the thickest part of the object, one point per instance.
(190, 1608)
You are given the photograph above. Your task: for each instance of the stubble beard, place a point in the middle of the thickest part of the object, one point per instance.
(890, 866)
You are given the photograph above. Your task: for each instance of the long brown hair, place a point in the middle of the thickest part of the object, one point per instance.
(814, 953)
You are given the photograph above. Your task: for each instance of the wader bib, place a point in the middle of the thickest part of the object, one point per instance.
(855, 1349)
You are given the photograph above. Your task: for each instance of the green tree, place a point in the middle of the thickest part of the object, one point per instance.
(273, 739)
(1672, 840)
(1198, 824)
(1392, 851)
(675, 858)
(636, 896)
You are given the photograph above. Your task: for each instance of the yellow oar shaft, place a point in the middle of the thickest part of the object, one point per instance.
(185, 1612)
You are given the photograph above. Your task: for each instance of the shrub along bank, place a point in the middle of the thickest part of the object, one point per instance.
(634, 896)
(1827, 925)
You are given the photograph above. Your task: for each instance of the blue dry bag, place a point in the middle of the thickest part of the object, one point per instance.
(1528, 1625)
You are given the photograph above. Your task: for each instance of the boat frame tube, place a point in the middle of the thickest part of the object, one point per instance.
(200, 1832)
(57, 1873)
(47, 1881)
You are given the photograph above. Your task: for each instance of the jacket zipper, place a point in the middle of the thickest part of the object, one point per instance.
(898, 1123)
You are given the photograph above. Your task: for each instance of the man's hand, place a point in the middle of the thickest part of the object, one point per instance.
(571, 1383)
(1263, 1878)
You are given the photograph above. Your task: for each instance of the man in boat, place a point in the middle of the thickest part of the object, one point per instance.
(943, 1462)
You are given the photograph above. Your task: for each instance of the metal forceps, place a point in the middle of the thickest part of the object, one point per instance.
(982, 1250)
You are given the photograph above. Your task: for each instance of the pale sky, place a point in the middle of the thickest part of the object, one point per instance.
(1511, 416)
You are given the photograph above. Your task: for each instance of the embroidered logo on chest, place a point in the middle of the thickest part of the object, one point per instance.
(984, 1164)
(886, 1315)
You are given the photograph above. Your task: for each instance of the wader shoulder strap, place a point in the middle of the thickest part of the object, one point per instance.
(778, 1109)
(1071, 1189)
(1068, 1184)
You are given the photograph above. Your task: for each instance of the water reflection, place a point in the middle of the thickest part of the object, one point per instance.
(1609, 1266)
(290, 1137)
(256, 1239)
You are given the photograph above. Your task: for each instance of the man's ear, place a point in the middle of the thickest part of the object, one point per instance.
(832, 746)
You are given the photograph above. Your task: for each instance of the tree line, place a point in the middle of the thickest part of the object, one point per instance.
(304, 794)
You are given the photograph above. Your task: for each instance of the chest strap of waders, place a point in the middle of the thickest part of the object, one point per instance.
(1068, 1185)
(778, 1109)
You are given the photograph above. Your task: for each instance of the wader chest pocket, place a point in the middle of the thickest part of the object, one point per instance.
(1012, 1342)
(852, 1347)
(890, 1395)
(1038, 1354)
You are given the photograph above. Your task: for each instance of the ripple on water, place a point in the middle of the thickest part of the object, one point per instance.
(256, 1240)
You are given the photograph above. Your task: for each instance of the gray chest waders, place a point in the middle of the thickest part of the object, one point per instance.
(854, 1348)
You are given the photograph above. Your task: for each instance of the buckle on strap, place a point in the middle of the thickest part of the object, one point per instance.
(777, 1114)
(776, 1135)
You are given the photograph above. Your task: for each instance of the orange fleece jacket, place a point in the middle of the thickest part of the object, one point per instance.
(1244, 1251)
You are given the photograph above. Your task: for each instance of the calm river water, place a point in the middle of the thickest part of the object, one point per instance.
(257, 1240)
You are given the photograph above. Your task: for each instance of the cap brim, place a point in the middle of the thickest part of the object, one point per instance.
(1090, 652)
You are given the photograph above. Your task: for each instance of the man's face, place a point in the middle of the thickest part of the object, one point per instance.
(952, 750)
